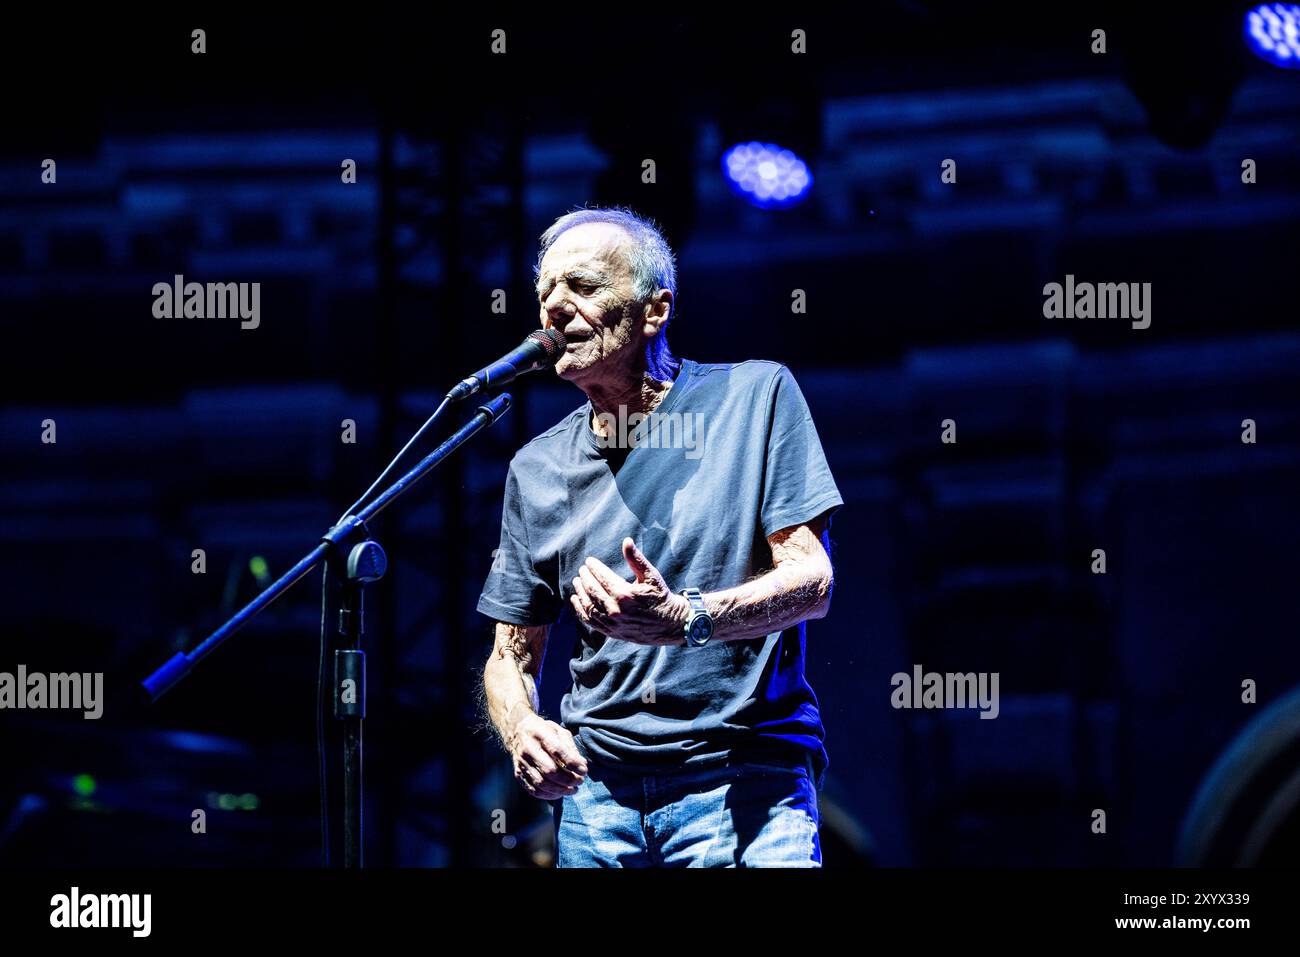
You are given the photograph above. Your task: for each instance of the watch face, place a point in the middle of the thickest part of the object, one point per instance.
(701, 630)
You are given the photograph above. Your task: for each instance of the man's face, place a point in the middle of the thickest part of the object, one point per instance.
(585, 290)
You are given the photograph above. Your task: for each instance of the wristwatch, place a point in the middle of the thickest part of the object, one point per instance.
(699, 625)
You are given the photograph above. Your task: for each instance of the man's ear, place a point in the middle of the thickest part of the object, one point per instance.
(657, 312)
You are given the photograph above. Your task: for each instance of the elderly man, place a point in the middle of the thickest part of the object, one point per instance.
(690, 736)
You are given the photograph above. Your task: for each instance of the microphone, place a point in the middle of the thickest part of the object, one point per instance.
(541, 349)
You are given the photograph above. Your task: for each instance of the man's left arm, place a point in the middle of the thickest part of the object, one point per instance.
(646, 611)
(797, 588)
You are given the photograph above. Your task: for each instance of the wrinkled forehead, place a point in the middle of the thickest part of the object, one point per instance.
(590, 244)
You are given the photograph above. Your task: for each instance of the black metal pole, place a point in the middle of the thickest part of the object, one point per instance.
(365, 563)
(167, 676)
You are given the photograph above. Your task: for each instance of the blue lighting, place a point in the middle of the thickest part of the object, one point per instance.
(1273, 33)
(767, 175)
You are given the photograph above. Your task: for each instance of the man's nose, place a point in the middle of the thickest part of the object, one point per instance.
(561, 311)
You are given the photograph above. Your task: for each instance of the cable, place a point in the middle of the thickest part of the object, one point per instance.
(396, 458)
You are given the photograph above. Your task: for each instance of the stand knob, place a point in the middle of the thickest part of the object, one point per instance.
(367, 562)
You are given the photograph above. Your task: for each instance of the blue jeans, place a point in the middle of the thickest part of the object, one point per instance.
(742, 815)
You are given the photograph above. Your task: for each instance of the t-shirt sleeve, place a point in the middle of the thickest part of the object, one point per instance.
(797, 482)
(517, 591)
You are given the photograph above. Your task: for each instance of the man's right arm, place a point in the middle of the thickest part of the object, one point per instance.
(545, 757)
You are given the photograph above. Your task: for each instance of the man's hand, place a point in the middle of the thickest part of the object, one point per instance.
(546, 759)
(643, 611)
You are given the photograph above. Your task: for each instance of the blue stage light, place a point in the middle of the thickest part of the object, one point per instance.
(1273, 33)
(766, 175)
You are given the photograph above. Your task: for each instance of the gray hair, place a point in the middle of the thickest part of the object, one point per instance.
(653, 268)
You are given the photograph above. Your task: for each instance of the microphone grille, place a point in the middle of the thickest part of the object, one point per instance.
(552, 342)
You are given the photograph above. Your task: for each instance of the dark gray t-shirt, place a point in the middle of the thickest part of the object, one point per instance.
(728, 457)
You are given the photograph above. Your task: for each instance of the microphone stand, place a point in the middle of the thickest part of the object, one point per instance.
(362, 561)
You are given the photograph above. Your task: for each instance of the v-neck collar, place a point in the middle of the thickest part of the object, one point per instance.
(665, 405)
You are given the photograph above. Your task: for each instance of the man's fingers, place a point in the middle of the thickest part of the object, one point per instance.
(535, 755)
(586, 602)
(586, 619)
(617, 586)
(565, 750)
(597, 589)
(548, 764)
(565, 781)
(584, 614)
(528, 777)
(559, 750)
(576, 600)
(636, 561)
(539, 788)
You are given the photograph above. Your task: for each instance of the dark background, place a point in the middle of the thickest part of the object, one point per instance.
(1118, 691)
